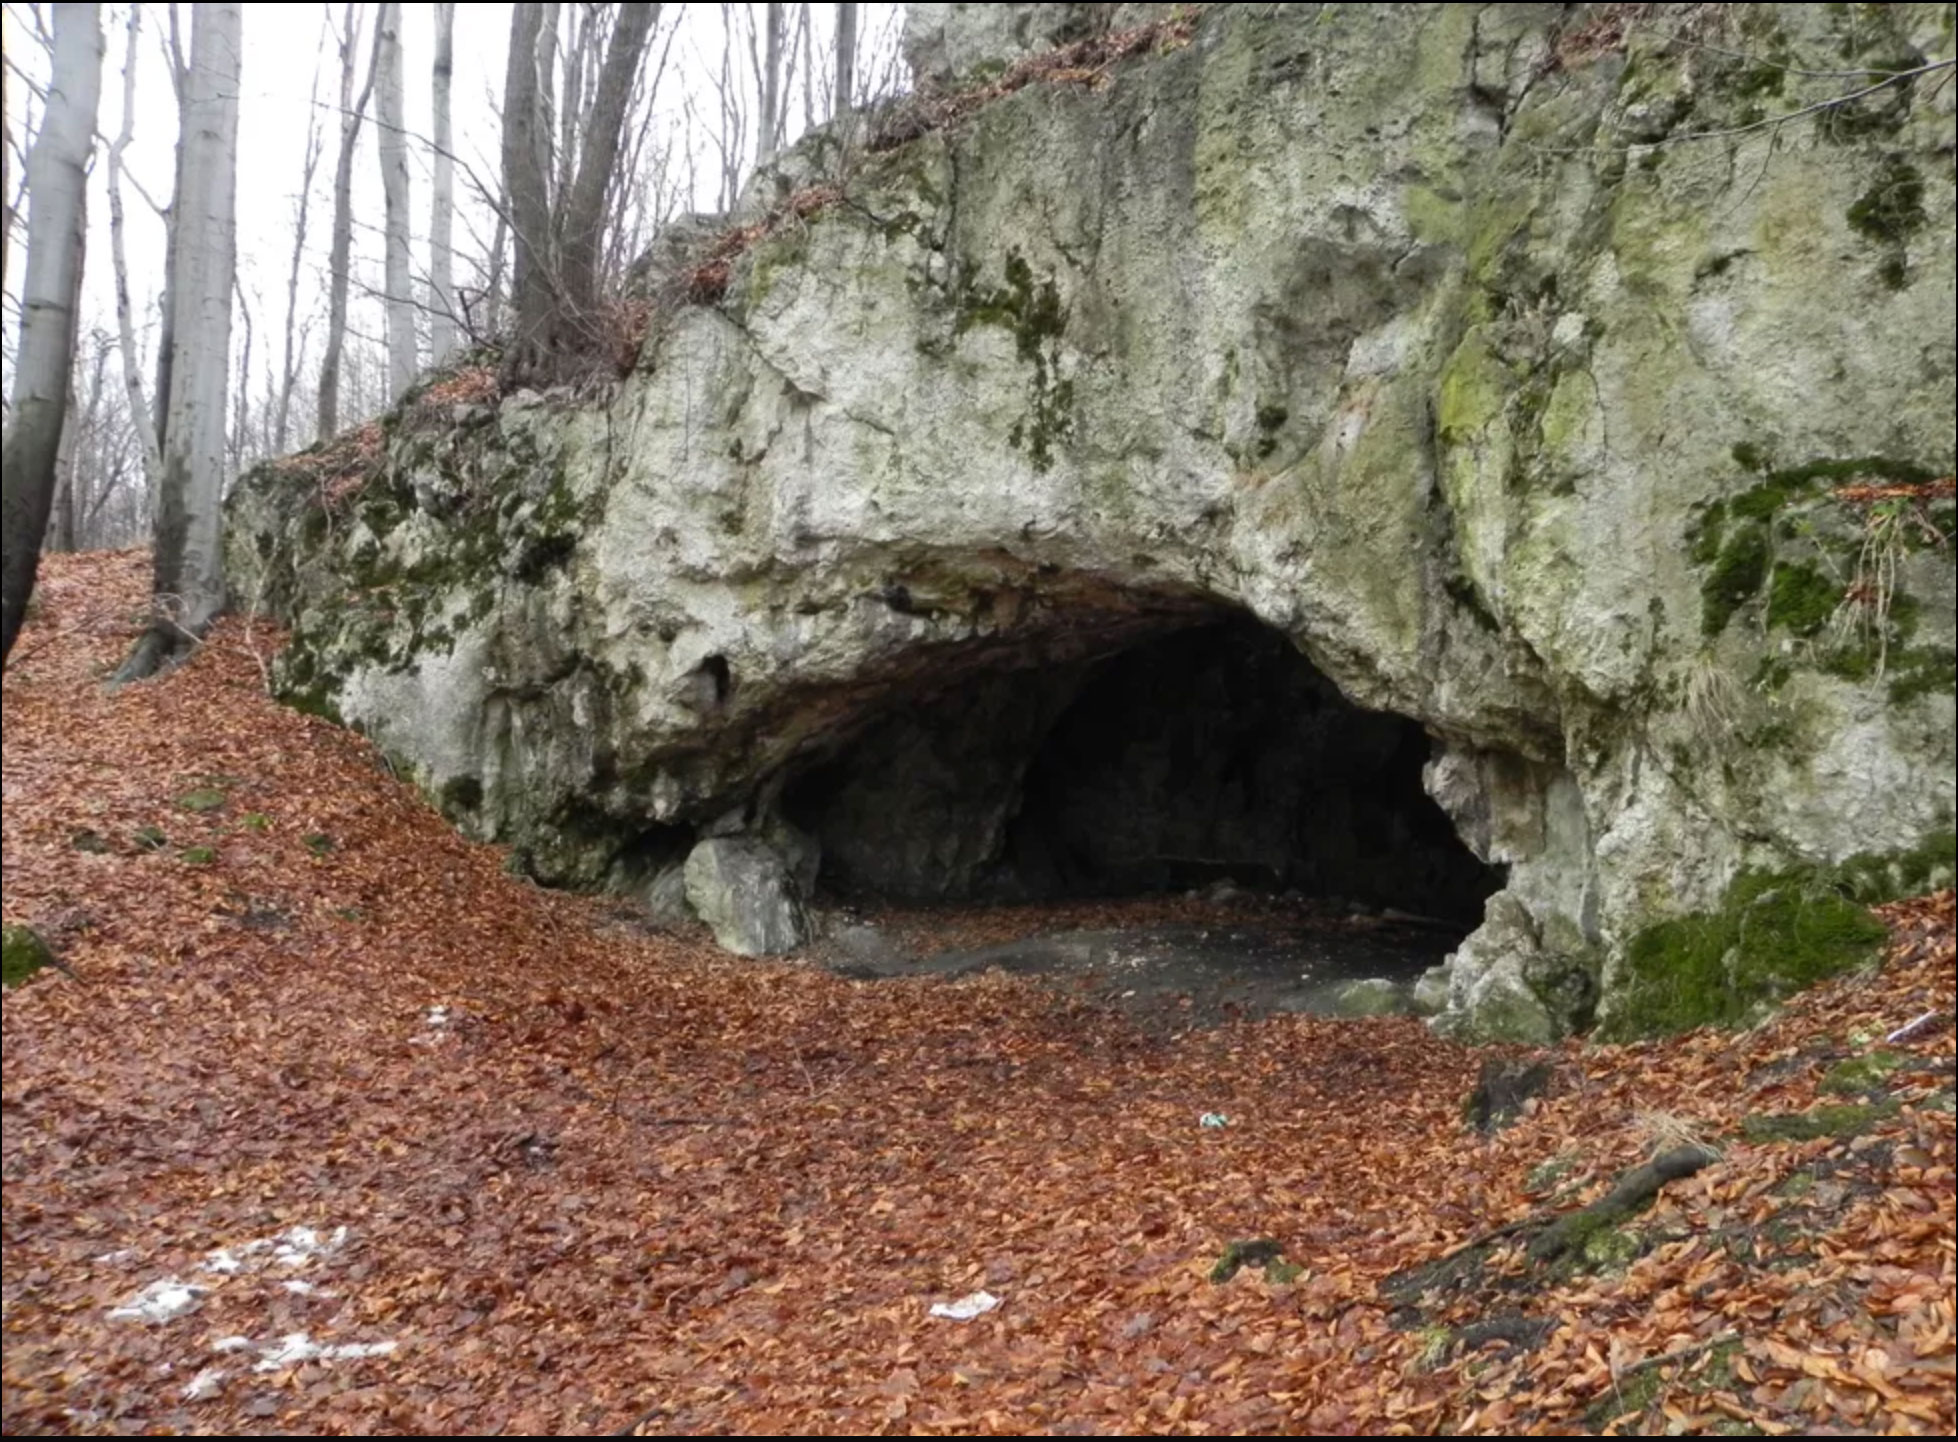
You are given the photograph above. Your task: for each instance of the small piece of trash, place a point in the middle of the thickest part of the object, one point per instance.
(1214, 1121)
(205, 1385)
(973, 1304)
(1911, 1028)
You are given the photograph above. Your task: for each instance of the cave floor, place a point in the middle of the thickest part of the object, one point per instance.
(1167, 962)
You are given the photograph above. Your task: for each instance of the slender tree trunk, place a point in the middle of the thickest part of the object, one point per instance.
(769, 140)
(391, 137)
(546, 93)
(340, 260)
(442, 203)
(806, 43)
(57, 192)
(526, 193)
(189, 578)
(166, 331)
(844, 100)
(61, 518)
(290, 361)
(132, 378)
(569, 40)
(583, 221)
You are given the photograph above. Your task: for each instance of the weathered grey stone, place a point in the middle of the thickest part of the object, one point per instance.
(666, 896)
(744, 892)
(1429, 996)
(1371, 996)
(1348, 318)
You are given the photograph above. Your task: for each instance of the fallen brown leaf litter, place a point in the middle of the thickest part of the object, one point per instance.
(339, 1128)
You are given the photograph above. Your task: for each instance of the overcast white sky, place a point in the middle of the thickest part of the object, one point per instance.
(286, 47)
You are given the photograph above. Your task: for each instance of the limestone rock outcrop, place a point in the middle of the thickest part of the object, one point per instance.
(1515, 366)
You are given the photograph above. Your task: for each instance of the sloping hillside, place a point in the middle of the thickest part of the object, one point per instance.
(333, 1126)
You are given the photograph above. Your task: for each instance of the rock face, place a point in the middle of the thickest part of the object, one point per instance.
(1501, 360)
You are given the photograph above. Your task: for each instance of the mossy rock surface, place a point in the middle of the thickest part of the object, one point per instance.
(1777, 933)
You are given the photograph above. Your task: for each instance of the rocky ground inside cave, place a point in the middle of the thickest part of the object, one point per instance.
(1170, 964)
(330, 1124)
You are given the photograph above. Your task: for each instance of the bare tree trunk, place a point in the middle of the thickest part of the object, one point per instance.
(583, 222)
(569, 40)
(768, 138)
(61, 517)
(50, 297)
(239, 433)
(166, 331)
(340, 262)
(546, 93)
(442, 204)
(132, 380)
(806, 43)
(846, 60)
(6, 180)
(391, 138)
(189, 581)
(290, 361)
(493, 283)
(525, 191)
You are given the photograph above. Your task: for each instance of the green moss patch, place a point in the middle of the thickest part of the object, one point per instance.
(1738, 571)
(1801, 599)
(1892, 209)
(1262, 1252)
(198, 856)
(23, 952)
(1860, 1075)
(204, 798)
(1774, 934)
(1875, 877)
(1840, 1120)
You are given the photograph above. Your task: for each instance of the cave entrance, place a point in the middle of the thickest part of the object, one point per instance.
(1216, 752)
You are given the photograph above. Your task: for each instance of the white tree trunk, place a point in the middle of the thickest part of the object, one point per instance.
(280, 405)
(132, 375)
(206, 214)
(57, 189)
(769, 137)
(340, 263)
(846, 60)
(442, 205)
(391, 136)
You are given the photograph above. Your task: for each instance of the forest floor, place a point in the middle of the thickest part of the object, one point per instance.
(332, 1125)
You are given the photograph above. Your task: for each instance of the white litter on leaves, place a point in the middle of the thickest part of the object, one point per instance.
(1911, 1028)
(205, 1385)
(302, 1288)
(232, 1344)
(1213, 1121)
(297, 1347)
(160, 1301)
(973, 1304)
(116, 1259)
(294, 1247)
(437, 1020)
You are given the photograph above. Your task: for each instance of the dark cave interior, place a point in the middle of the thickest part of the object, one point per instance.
(1215, 751)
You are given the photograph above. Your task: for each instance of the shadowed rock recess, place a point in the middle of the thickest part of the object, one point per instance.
(1143, 480)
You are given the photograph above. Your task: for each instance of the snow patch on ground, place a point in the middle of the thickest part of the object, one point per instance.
(161, 1301)
(266, 1260)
